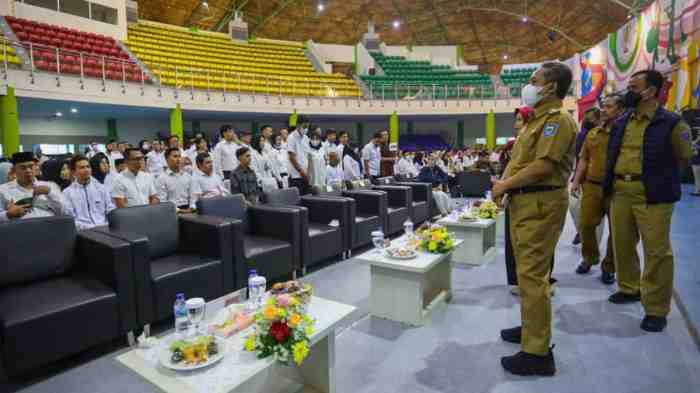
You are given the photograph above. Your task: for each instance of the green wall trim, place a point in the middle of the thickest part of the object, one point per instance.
(9, 122)
(176, 126)
(394, 128)
(112, 129)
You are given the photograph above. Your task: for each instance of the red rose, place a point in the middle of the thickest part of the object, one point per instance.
(280, 331)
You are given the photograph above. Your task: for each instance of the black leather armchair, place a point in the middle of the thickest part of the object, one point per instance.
(264, 238)
(400, 204)
(171, 255)
(61, 292)
(474, 183)
(422, 197)
(320, 240)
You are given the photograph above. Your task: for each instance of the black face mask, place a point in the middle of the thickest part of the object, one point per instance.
(632, 99)
(587, 124)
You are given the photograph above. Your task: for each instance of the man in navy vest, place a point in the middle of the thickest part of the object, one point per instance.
(648, 146)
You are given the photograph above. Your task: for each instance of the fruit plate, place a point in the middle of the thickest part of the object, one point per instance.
(400, 253)
(165, 355)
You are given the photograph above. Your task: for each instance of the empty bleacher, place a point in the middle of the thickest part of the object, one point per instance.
(407, 78)
(515, 79)
(59, 49)
(204, 60)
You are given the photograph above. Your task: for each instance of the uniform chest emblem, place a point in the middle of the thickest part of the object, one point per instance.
(550, 129)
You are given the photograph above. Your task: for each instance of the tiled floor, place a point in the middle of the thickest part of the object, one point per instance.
(599, 346)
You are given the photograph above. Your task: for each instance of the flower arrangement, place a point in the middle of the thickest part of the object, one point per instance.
(486, 210)
(435, 239)
(282, 329)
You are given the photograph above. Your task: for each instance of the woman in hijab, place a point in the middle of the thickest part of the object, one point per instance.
(317, 160)
(57, 171)
(5, 169)
(100, 170)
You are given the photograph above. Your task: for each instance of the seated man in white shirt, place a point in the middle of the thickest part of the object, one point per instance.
(405, 167)
(133, 187)
(206, 183)
(86, 199)
(334, 171)
(175, 185)
(27, 197)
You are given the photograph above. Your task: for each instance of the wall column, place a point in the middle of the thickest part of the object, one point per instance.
(176, 126)
(360, 132)
(112, 129)
(293, 119)
(460, 134)
(9, 123)
(491, 130)
(196, 126)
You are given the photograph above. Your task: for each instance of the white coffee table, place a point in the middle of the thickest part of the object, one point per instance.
(240, 371)
(479, 245)
(408, 290)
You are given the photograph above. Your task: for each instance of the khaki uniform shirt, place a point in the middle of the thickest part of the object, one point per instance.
(549, 135)
(595, 151)
(629, 162)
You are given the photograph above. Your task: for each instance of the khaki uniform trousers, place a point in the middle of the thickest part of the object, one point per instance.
(631, 218)
(593, 208)
(537, 220)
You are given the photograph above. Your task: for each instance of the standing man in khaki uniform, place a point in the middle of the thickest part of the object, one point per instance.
(536, 181)
(647, 148)
(588, 181)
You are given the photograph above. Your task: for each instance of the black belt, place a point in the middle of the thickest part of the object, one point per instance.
(531, 189)
(628, 177)
(597, 183)
(183, 207)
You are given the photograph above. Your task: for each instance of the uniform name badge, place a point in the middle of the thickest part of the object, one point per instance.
(550, 129)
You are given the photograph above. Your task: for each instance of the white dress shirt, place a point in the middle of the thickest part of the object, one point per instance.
(136, 189)
(113, 156)
(351, 169)
(42, 206)
(317, 167)
(299, 145)
(155, 163)
(225, 157)
(175, 187)
(373, 155)
(88, 204)
(334, 174)
(404, 167)
(207, 186)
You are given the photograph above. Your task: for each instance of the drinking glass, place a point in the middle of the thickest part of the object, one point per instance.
(378, 241)
(196, 308)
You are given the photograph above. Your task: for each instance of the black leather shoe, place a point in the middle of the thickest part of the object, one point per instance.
(523, 363)
(607, 278)
(583, 268)
(513, 335)
(653, 324)
(577, 240)
(624, 298)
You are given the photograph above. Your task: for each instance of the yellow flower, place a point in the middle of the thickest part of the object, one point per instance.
(271, 301)
(309, 331)
(269, 312)
(281, 313)
(250, 343)
(294, 320)
(300, 351)
(432, 246)
(293, 302)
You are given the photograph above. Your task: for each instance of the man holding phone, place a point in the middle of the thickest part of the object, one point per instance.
(27, 197)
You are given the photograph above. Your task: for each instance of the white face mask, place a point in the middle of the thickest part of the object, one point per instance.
(531, 95)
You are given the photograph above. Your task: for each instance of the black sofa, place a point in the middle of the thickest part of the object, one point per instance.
(320, 240)
(264, 238)
(368, 211)
(399, 201)
(61, 292)
(422, 197)
(173, 254)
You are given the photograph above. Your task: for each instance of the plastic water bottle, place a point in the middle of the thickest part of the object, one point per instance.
(256, 290)
(408, 228)
(182, 323)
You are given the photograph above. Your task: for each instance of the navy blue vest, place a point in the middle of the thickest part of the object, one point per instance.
(660, 172)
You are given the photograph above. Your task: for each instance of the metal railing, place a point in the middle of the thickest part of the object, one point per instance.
(63, 62)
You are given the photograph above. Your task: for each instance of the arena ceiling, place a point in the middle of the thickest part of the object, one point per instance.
(490, 31)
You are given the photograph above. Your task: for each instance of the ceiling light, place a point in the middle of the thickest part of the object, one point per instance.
(505, 56)
(59, 114)
(321, 7)
(73, 110)
(524, 19)
(396, 24)
(205, 4)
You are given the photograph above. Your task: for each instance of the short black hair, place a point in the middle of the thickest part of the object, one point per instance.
(73, 163)
(593, 110)
(265, 126)
(111, 141)
(118, 161)
(173, 136)
(378, 134)
(201, 157)
(170, 151)
(127, 152)
(241, 151)
(559, 73)
(653, 78)
(331, 131)
(618, 99)
(341, 133)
